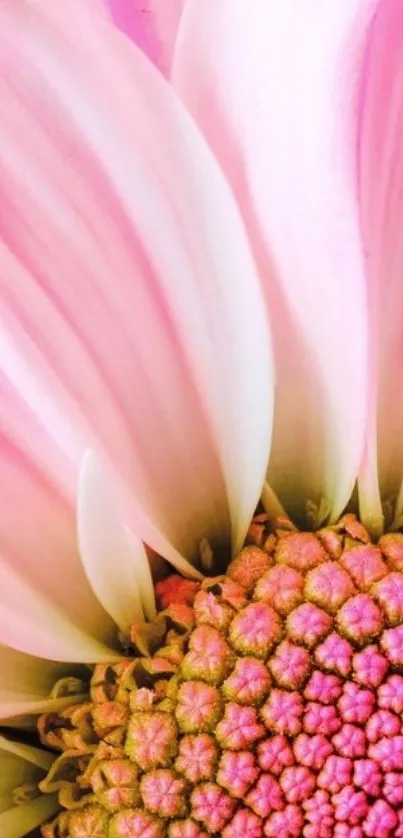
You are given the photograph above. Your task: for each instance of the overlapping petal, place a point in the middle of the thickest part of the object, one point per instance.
(273, 86)
(47, 606)
(117, 567)
(151, 24)
(27, 686)
(380, 180)
(130, 314)
(23, 765)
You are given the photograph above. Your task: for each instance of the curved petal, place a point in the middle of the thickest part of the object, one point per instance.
(130, 307)
(115, 570)
(36, 757)
(47, 607)
(26, 685)
(380, 166)
(144, 575)
(30, 623)
(18, 821)
(20, 765)
(151, 24)
(272, 85)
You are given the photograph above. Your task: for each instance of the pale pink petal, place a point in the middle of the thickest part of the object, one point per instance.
(151, 24)
(32, 624)
(21, 764)
(112, 564)
(131, 314)
(41, 574)
(380, 171)
(143, 574)
(273, 86)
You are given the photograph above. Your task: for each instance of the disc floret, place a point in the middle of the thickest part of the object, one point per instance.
(270, 706)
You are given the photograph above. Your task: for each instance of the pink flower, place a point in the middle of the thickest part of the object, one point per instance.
(201, 309)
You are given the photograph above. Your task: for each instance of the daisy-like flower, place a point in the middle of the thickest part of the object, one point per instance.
(190, 190)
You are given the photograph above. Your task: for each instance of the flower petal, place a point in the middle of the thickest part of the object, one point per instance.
(380, 165)
(21, 764)
(109, 560)
(18, 821)
(272, 85)
(30, 623)
(151, 24)
(26, 685)
(23, 754)
(129, 297)
(144, 576)
(22, 675)
(44, 589)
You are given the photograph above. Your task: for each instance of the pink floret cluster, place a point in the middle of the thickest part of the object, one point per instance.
(283, 714)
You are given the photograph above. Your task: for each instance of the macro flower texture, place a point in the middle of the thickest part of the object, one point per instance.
(201, 457)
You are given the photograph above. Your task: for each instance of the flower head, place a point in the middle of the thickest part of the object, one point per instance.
(165, 231)
(246, 746)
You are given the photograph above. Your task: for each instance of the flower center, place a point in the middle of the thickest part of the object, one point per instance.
(270, 705)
